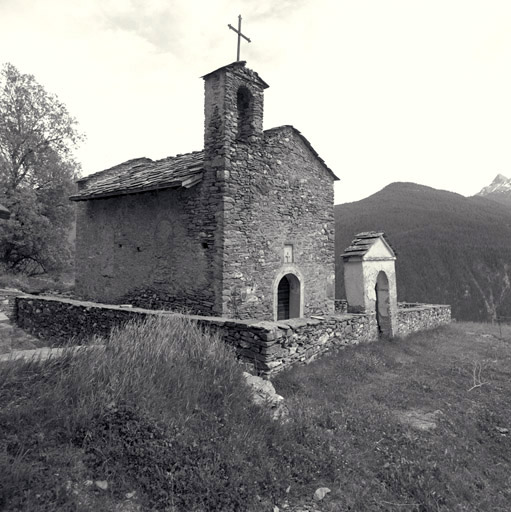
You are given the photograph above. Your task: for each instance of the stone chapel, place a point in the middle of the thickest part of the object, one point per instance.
(242, 229)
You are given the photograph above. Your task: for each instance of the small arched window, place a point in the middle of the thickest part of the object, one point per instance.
(245, 104)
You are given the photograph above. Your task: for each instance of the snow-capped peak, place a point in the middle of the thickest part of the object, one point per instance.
(500, 178)
(499, 185)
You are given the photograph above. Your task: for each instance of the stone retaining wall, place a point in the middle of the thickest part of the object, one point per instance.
(268, 346)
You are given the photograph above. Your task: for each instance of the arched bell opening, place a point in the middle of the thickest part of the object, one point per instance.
(245, 107)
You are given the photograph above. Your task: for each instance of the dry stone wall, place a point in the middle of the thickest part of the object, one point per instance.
(418, 317)
(64, 321)
(267, 347)
(146, 249)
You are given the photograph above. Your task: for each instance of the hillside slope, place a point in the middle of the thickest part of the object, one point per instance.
(450, 249)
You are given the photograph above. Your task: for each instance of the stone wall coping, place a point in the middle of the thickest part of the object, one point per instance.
(352, 315)
(89, 304)
(11, 291)
(263, 325)
(422, 307)
(292, 323)
(121, 307)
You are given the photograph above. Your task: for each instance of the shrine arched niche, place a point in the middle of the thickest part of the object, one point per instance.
(382, 305)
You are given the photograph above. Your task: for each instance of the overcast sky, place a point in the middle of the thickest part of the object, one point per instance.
(385, 90)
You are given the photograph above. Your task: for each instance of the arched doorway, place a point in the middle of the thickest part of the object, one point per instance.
(288, 297)
(383, 305)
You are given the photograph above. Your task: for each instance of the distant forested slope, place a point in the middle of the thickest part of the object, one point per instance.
(450, 249)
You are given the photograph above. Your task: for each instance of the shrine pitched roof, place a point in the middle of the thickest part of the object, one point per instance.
(142, 175)
(363, 242)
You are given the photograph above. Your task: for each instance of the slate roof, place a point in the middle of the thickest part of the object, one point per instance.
(4, 212)
(142, 175)
(362, 243)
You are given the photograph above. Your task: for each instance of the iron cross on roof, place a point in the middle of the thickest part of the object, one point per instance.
(240, 35)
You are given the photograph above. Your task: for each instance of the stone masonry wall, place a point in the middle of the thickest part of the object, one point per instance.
(221, 131)
(147, 249)
(268, 190)
(267, 346)
(420, 317)
(287, 199)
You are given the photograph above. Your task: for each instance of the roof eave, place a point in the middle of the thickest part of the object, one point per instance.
(140, 190)
(352, 257)
(238, 63)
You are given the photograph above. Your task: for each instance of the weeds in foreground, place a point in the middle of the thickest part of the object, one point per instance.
(162, 415)
(364, 397)
(161, 412)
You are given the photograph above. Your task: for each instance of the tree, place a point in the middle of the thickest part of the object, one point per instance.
(37, 174)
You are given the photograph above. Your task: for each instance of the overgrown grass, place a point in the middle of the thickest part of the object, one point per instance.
(163, 412)
(364, 396)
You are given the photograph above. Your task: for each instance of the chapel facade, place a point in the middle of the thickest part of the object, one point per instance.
(243, 229)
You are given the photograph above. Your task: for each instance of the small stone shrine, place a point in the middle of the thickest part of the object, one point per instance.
(370, 280)
(242, 229)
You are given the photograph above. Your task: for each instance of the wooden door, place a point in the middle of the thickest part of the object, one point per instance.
(283, 299)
